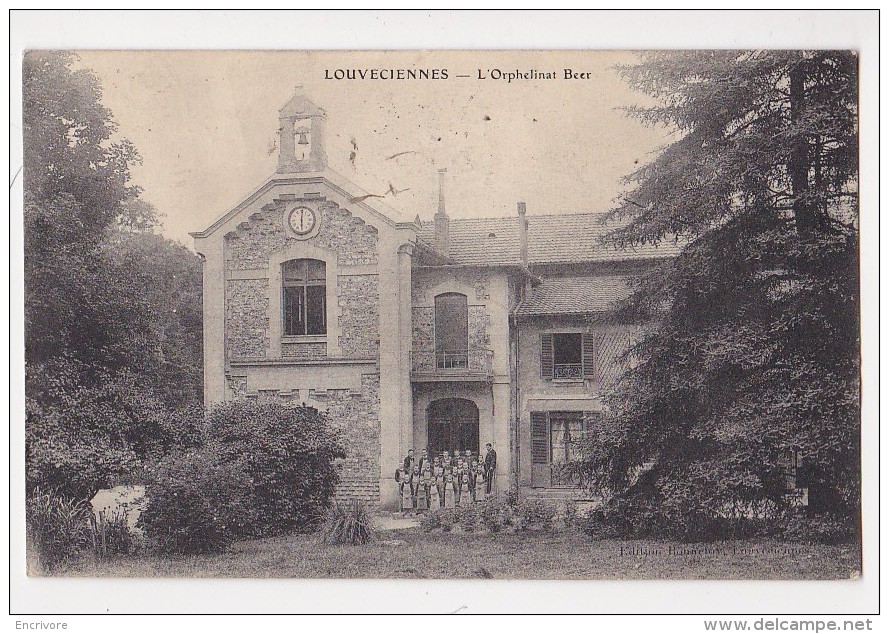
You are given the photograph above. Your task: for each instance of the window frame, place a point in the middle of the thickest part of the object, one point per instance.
(445, 358)
(303, 285)
(574, 372)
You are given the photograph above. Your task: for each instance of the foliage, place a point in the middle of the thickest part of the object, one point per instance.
(751, 352)
(432, 520)
(58, 529)
(493, 515)
(535, 515)
(81, 438)
(798, 526)
(111, 534)
(347, 523)
(288, 454)
(112, 311)
(195, 504)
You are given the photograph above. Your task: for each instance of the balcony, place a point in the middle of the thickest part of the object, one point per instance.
(451, 365)
(568, 371)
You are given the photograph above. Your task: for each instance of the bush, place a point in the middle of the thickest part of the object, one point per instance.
(347, 523)
(818, 529)
(288, 454)
(80, 438)
(195, 505)
(431, 521)
(57, 528)
(467, 517)
(495, 514)
(535, 515)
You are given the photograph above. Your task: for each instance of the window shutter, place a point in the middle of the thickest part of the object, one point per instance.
(546, 356)
(539, 440)
(589, 355)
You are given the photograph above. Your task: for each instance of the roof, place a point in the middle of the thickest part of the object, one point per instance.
(575, 295)
(552, 239)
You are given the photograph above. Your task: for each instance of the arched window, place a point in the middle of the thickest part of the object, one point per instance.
(305, 297)
(451, 331)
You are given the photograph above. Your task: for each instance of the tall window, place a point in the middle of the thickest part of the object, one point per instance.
(554, 443)
(451, 331)
(305, 297)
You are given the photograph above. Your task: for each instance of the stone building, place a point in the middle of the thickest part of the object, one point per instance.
(445, 333)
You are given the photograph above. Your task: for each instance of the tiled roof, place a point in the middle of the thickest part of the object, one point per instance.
(561, 238)
(575, 295)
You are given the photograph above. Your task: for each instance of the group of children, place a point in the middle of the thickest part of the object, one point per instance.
(442, 481)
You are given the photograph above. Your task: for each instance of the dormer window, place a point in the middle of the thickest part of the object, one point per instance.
(305, 297)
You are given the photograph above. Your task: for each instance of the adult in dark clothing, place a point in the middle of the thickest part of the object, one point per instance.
(490, 465)
(424, 462)
(409, 462)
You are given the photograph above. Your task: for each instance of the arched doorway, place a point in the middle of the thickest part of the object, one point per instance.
(452, 424)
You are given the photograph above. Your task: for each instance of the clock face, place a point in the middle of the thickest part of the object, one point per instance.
(302, 220)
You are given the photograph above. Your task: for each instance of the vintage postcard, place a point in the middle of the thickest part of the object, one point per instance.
(588, 315)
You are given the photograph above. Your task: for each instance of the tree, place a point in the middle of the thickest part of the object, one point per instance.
(112, 311)
(751, 358)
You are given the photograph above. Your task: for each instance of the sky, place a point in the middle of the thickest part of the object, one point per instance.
(205, 124)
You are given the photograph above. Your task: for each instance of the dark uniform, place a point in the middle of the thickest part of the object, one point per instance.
(490, 465)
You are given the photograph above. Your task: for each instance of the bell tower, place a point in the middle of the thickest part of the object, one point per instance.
(301, 132)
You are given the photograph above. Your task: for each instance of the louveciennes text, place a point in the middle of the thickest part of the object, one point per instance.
(385, 73)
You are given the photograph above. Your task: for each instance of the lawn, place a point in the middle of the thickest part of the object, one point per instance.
(411, 553)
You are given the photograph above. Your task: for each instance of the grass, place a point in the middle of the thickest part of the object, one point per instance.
(410, 553)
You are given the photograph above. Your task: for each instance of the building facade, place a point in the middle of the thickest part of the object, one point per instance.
(445, 334)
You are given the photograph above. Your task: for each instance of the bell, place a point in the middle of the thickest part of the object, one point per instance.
(303, 138)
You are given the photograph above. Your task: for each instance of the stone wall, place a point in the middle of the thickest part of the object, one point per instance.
(356, 297)
(479, 338)
(358, 300)
(423, 309)
(304, 351)
(247, 322)
(357, 417)
(249, 246)
(423, 323)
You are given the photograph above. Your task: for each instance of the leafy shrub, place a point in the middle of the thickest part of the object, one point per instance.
(535, 515)
(495, 514)
(347, 523)
(818, 529)
(288, 454)
(195, 505)
(57, 528)
(448, 520)
(431, 521)
(468, 518)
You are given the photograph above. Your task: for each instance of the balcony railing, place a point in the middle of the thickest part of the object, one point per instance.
(444, 365)
(568, 371)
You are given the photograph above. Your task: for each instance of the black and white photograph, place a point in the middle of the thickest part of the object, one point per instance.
(473, 315)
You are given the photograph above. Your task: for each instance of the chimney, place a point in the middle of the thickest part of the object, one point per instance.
(523, 235)
(442, 221)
